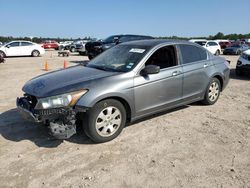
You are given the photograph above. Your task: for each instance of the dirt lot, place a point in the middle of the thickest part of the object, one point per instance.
(193, 146)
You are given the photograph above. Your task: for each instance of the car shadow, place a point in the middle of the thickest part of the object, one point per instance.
(14, 128)
(236, 77)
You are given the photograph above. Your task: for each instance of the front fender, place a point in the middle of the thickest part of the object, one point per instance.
(90, 99)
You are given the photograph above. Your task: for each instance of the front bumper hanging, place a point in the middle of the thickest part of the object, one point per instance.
(61, 121)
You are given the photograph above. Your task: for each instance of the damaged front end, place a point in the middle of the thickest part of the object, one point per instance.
(61, 119)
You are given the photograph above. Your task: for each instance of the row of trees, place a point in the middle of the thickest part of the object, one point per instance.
(38, 39)
(219, 35)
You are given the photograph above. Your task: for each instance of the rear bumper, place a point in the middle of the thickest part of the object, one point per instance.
(244, 68)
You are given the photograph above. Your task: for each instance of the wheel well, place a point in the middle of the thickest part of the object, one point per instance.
(124, 103)
(220, 79)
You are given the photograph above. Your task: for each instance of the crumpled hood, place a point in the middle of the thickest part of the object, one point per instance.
(64, 81)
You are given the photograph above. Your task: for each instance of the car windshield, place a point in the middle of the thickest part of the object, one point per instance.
(110, 39)
(202, 43)
(121, 58)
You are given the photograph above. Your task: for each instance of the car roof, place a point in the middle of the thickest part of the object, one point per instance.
(20, 41)
(156, 42)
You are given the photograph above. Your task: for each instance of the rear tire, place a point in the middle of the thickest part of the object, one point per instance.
(213, 92)
(104, 121)
(35, 53)
(217, 52)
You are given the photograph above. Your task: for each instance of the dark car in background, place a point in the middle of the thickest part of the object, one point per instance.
(95, 48)
(235, 49)
(123, 84)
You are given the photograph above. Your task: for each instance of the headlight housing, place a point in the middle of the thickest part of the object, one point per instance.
(64, 100)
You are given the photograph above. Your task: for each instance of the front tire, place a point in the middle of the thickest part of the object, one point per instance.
(35, 53)
(213, 92)
(73, 50)
(105, 121)
(2, 54)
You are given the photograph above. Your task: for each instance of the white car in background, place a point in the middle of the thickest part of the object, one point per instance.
(210, 45)
(21, 48)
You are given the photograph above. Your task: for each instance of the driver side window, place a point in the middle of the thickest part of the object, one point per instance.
(164, 57)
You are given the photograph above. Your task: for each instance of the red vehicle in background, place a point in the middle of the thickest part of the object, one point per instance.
(50, 44)
(225, 44)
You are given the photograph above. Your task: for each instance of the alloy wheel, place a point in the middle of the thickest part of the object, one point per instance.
(214, 90)
(108, 121)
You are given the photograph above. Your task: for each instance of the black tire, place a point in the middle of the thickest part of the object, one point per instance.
(2, 54)
(92, 117)
(90, 57)
(238, 72)
(217, 52)
(73, 49)
(35, 53)
(208, 100)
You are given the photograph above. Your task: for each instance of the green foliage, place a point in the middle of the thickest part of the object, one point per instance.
(37, 39)
(219, 35)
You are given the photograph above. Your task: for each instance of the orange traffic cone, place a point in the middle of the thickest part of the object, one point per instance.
(46, 66)
(65, 64)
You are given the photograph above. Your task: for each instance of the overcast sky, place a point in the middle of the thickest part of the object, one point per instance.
(101, 18)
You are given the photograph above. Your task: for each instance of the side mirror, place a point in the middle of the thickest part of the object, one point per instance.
(207, 45)
(150, 69)
(8, 46)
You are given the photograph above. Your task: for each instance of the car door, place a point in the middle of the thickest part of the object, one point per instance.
(153, 92)
(195, 64)
(26, 48)
(13, 49)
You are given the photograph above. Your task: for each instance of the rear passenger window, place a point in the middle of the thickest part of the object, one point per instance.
(192, 53)
(212, 44)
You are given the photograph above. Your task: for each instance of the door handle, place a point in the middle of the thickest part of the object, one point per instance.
(175, 73)
(205, 65)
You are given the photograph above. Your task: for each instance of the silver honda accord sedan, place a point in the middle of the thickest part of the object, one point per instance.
(125, 83)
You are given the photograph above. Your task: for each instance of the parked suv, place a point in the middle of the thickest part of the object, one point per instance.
(211, 46)
(125, 83)
(95, 48)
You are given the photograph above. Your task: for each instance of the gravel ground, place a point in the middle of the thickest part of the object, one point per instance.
(192, 146)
